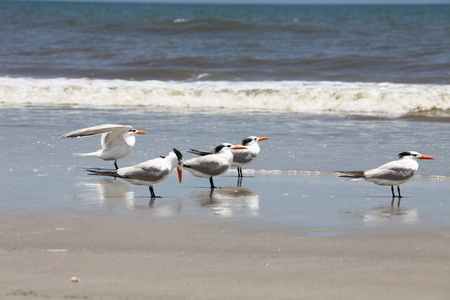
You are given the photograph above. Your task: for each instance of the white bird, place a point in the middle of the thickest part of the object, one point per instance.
(392, 173)
(241, 157)
(148, 172)
(117, 140)
(244, 157)
(212, 164)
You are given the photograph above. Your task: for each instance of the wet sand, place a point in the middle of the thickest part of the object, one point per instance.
(184, 258)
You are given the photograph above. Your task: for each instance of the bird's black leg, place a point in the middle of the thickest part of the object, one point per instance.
(211, 182)
(115, 164)
(399, 195)
(239, 169)
(393, 194)
(152, 192)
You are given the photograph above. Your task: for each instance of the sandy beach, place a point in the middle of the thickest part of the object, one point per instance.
(142, 258)
(281, 235)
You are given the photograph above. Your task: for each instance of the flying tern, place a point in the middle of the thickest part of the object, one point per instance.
(148, 172)
(241, 157)
(117, 140)
(392, 173)
(212, 164)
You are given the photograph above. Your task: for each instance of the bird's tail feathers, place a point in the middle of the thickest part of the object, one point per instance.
(103, 173)
(351, 174)
(94, 154)
(199, 152)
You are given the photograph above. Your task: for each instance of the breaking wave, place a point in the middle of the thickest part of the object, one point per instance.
(277, 96)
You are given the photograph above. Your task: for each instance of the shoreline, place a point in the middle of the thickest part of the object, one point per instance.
(173, 258)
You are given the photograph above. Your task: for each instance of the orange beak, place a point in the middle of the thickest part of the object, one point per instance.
(426, 157)
(239, 148)
(262, 139)
(141, 132)
(180, 174)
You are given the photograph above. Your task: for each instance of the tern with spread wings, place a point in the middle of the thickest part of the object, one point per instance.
(117, 140)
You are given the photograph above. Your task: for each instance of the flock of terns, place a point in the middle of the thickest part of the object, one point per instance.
(118, 141)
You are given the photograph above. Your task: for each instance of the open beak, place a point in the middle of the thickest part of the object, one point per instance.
(426, 157)
(262, 139)
(141, 132)
(180, 174)
(239, 148)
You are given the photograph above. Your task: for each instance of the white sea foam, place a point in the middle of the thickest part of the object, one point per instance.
(297, 96)
(180, 21)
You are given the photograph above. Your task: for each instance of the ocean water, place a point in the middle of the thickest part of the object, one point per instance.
(390, 60)
(333, 87)
(398, 44)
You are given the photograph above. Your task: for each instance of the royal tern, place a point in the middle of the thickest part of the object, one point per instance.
(117, 140)
(241, 157)
(244, 157)
(392, 173)
(212, 164)
(148, 172)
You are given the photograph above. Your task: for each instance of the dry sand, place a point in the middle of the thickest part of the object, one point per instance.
(176, 258)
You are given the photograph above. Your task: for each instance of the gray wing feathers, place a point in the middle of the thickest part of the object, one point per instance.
(396, 174)
(96, 130)
(242, 156)
(146, 173)
(208, 167)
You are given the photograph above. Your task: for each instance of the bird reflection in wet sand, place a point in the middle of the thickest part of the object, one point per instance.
(110, 189)
(391, 213)
(229, 200)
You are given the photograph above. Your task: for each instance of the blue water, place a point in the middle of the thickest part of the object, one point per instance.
(394, 43)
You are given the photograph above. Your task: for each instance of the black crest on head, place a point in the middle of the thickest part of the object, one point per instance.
(218, 148)
(403, 154)
(178, 154)
(246, 141)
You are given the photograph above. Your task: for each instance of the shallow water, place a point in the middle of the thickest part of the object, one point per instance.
(290, 184)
